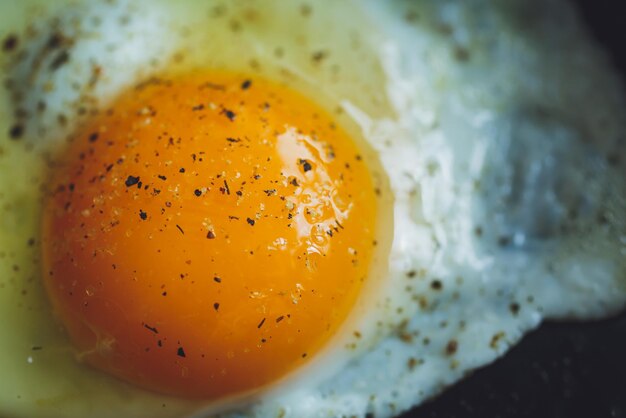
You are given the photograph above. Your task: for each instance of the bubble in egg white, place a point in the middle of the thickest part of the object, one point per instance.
(508, 194)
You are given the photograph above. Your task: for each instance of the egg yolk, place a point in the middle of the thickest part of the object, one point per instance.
(207, 234)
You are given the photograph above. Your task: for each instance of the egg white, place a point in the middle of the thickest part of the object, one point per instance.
(507, 198)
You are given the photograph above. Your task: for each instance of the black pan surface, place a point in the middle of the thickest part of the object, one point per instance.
(562, 370)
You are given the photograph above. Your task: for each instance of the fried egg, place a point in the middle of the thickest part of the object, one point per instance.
(275, 209)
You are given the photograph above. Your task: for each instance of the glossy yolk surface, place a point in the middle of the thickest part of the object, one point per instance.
(207, 234)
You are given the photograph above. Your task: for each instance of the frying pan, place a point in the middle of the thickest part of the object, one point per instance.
(561, 370)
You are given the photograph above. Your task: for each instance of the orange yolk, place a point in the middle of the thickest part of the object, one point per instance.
(207, 234)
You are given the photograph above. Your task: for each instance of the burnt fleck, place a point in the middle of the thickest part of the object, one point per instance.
(246, 84)
(180, 229)
(233, 139)
(451, 347)
(319, 56)
(306, 10)
(216, 306)
(294, 182)
(250, 221)
(461, 54)
(162, 177)
(270, 192)
(131, 181)
(197, 107)
(9, 43)
(226, 188)
(261, 323)
(181, 352)
(217, 279)
(143, 215)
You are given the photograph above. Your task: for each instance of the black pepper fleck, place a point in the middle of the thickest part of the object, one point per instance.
(250, 221)
(131, 181)
(306, 166)
(16, 131)
(229, 114)
(151, 329)
(61, 59)
(143, 215)
(9, 43)
(181, 352)
(436, 285)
